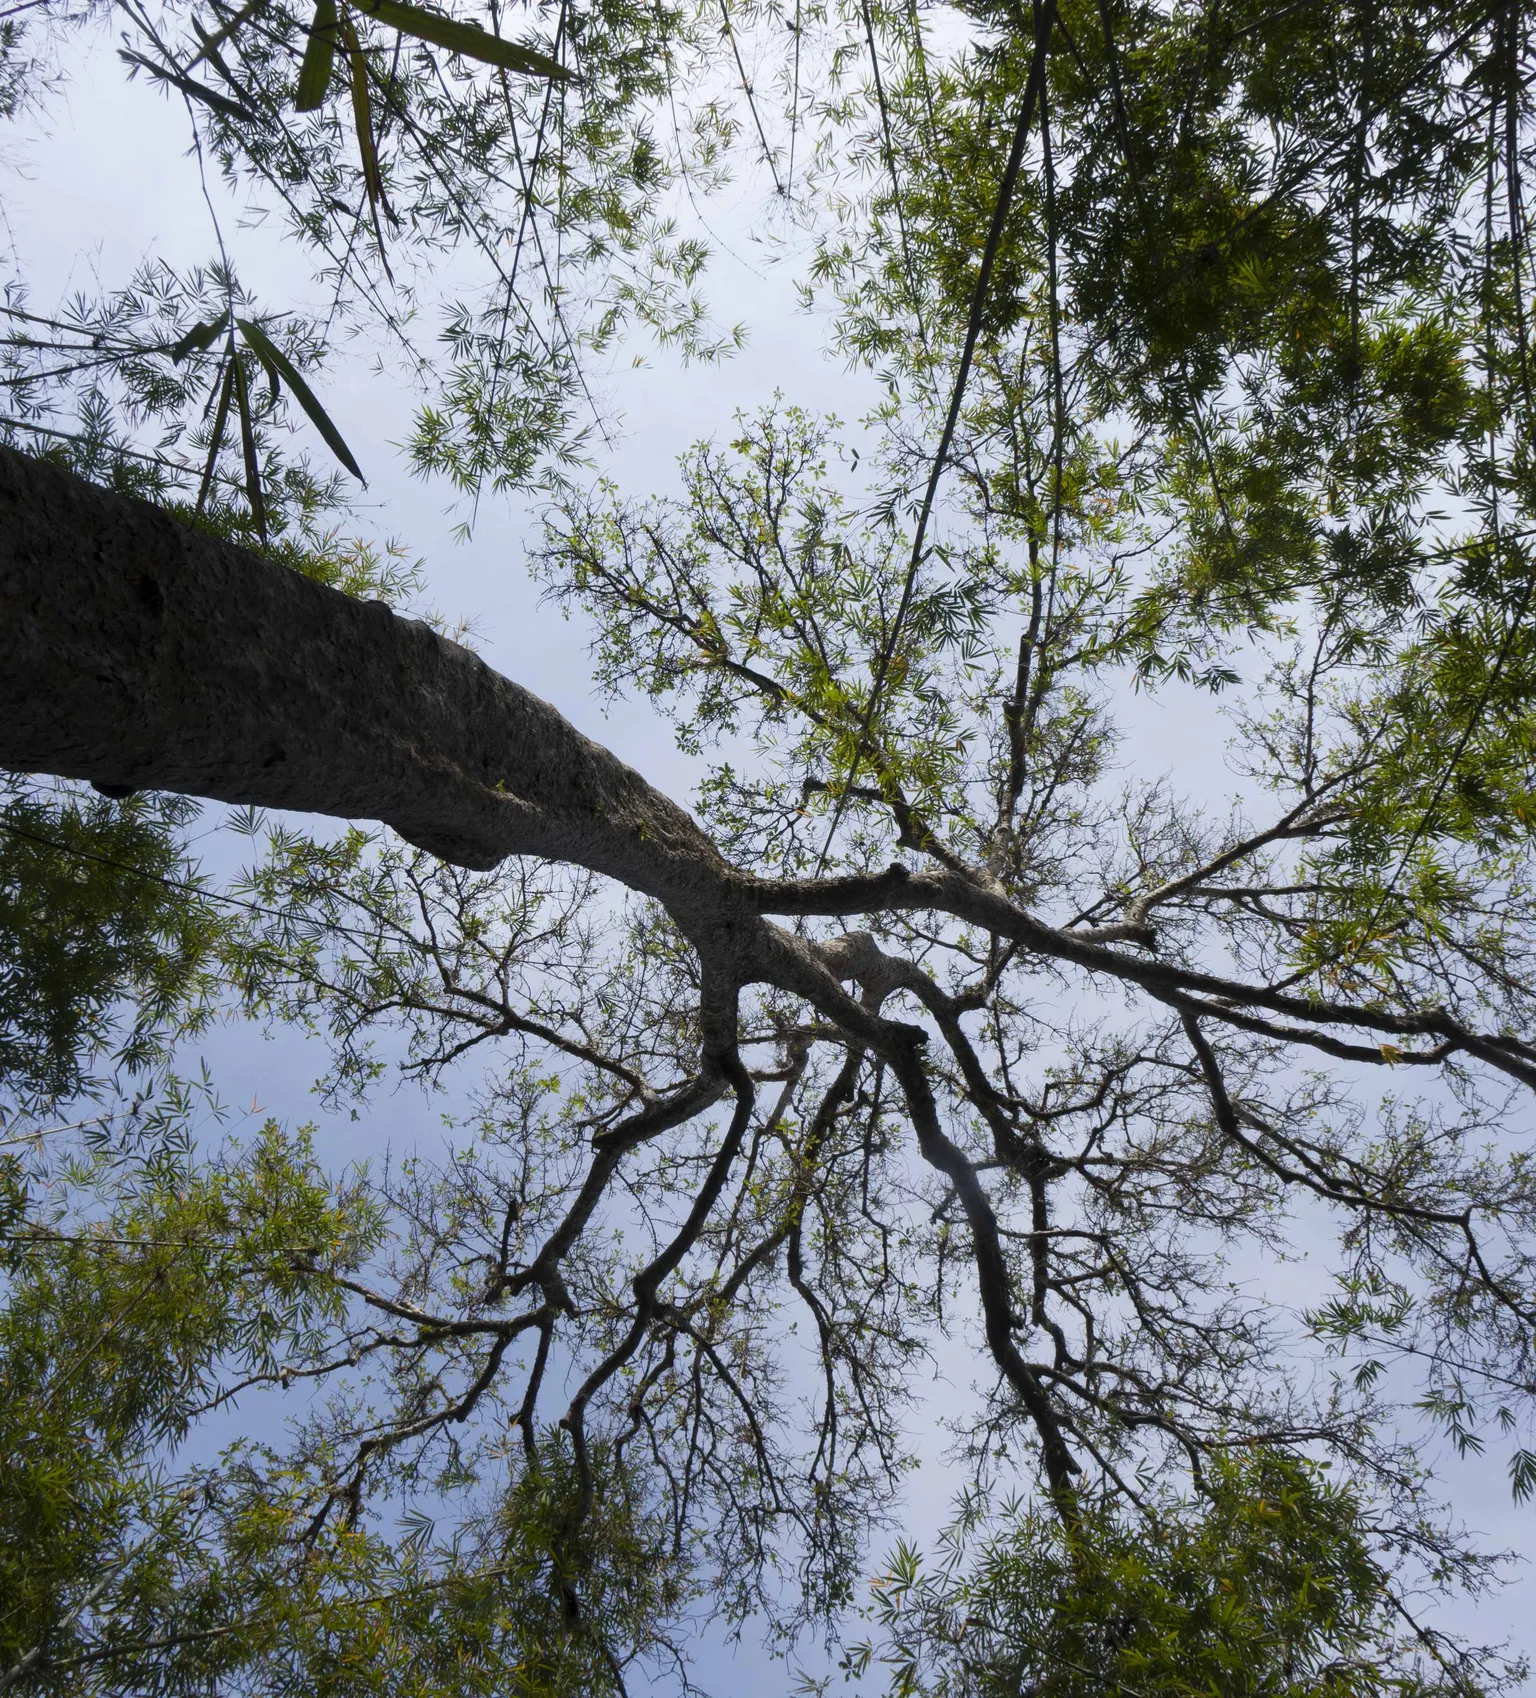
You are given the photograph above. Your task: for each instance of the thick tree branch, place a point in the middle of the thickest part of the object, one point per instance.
(138, 652)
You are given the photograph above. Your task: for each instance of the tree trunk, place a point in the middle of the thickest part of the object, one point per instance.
(140, 652)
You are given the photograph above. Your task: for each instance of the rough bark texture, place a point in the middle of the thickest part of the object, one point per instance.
(137, 651)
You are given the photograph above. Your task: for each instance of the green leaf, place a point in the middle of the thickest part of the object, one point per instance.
(200, 336)
(1522, 1475)
(211, 43)
(468, 39)
(319, 58)
(280, 366)
(189, 86)
(248, 447)
(362, 115)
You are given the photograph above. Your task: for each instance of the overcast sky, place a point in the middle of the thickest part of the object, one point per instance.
(107, 183)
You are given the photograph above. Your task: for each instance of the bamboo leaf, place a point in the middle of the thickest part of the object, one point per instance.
(319, 58)
(468, 39)
(280, 366)
(200, 336)
(212, 42)
(248, 447)
(189, 86)
(242, 94)
(226, 384)
(362, 113)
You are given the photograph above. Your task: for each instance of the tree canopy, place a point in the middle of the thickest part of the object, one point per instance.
(949, 1014)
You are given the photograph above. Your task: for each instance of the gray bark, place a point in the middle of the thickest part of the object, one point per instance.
(141, 653)
(136, 651)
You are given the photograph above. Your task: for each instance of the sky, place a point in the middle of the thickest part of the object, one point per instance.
(106, 182)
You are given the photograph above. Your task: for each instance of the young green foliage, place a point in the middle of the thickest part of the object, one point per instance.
(1261, 1586)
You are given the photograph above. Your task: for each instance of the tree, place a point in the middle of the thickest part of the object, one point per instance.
(1205, 342)
(1264, 1586)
